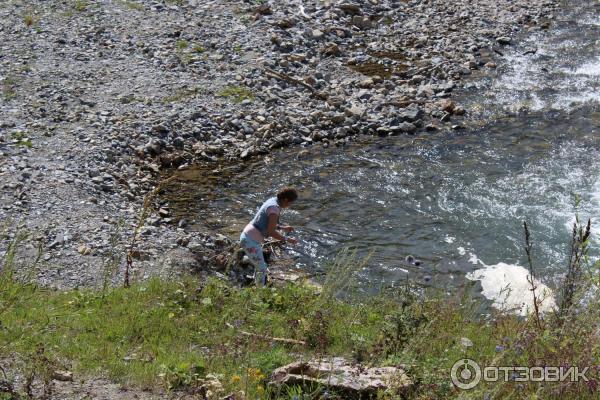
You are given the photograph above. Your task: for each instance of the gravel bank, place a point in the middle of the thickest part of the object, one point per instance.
(97, 97)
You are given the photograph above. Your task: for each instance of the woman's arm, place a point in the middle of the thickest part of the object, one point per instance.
(272, 230)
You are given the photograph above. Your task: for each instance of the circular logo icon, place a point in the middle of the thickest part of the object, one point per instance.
(465, 374)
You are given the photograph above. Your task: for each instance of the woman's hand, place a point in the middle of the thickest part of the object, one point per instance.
(291, 240)
(287, 228)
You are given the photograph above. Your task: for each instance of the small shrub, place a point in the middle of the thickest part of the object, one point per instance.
(181, 44)
(29, 20)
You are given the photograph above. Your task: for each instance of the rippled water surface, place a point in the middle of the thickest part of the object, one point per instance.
(454, 200)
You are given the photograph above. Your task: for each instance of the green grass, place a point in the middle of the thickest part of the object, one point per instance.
(81, 5)
(181, 95)
(8, 87)
(198, 49)
(21, 139)
(133, 6)
(182, 49)
(180, 334)
(237, 93)
(165, 333)
(30, 20)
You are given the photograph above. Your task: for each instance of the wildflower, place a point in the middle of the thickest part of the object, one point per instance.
(255, 374)
(235, 379)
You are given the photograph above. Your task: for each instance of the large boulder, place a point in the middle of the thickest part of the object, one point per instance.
(352, 381)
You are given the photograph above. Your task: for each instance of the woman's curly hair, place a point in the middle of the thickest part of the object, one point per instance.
(287, 193)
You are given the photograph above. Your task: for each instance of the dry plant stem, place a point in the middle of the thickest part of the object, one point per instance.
(143, 215)
(287, 78)
(531, 277)
(579, 245)
(268, 338)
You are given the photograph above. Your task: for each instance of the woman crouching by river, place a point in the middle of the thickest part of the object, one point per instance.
(265, 224)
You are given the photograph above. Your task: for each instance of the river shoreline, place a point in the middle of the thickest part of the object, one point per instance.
(100, 98)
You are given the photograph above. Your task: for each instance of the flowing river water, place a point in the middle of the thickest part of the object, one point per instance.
(455, 201)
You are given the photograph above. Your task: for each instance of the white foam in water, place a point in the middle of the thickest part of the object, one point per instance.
(507, 286)
(449, 239)
(473, 259)
(531, 83)
(591, 21)
(591, 68)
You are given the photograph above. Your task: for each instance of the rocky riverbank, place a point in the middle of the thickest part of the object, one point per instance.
(97, 97)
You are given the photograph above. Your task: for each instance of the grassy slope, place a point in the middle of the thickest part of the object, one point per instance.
(171, 335)
(180, 335)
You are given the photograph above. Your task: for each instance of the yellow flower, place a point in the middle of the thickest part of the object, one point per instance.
(260, 390)
(255, 374)
(235, 379)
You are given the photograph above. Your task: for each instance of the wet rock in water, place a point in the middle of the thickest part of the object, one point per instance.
(410, 115)
(351, 381)
(504, 40)
(448, 106)
(459, 110)
(302, 154)
(409, 259)
(403, 127)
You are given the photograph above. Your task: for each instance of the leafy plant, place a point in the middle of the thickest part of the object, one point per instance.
(21, 139)
(183, 375)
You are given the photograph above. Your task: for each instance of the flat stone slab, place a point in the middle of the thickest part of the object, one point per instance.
(354, 381)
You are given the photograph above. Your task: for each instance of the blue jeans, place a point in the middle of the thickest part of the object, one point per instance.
(254, 252)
